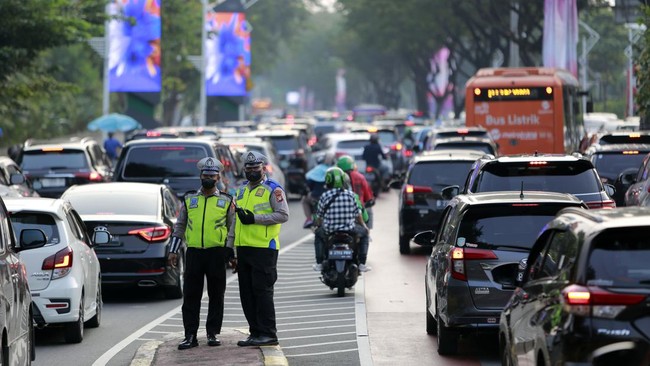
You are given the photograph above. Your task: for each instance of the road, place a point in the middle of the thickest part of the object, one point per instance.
(380, 321)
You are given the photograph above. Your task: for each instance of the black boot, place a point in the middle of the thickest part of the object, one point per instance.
(190, 341)
(213, 340)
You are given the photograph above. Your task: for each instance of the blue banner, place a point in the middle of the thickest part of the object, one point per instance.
(134, 41)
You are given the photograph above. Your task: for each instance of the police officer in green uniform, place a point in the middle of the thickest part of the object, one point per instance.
(261, 208)
(204, 222)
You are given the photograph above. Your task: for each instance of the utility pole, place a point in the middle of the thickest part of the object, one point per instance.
(587, 44)
(634, 32)
(513, 60)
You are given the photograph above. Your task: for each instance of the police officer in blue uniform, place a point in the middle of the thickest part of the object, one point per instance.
(261, 209)
(205, 219)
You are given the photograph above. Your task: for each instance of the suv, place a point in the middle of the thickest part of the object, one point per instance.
(53, 167)
(538, 172)
(584, 292)
(420, 203)
(472, 270)
(173, 162)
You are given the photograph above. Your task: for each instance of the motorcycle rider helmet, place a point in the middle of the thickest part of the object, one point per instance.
(334, 177)
(346, 163)
(374, 138)
(347, 184)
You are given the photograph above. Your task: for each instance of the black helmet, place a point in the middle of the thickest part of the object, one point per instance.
(374, 138)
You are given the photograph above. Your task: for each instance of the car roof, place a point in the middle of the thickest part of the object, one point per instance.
(169, 141)
(620, 147)
(276, 133)
(351, 136)
(461, 138)
(535, 157)
(451, 154)
(69, 145)
(514, 197)
(36, 204)
(115, 186)
(609, 219)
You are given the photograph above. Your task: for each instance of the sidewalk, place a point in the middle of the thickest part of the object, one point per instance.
(165, 352)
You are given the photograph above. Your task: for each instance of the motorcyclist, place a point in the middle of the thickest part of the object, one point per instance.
(315, 182)
(373, 153)
(359, 183)
(337, 211)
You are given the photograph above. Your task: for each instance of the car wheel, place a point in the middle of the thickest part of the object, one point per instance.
(176, 291)
(447, 339)
(96, 320)
(432, 326)
(74, 331)
(404, 245)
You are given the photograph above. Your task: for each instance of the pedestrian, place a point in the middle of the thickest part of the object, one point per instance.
(112, 146)
(261, 206)
(205, 219)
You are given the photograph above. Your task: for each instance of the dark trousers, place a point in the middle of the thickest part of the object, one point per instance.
(257, 272)
(200, 264)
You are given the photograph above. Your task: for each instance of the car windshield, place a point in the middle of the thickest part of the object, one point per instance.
(285, 143)
(486, 148)
(439, 174)
(568, 177)
(487, 227)
(163, 161)
(612, 164)
(115, 203)
(386, 137)
(61, 159)
(352, 144)
(35, 220)
(620, 257)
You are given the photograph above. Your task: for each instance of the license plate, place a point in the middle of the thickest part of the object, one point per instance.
(52, 182)
(340, 254)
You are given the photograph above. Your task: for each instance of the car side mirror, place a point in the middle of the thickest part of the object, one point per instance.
(424, 238)
(32, 239)
(450, 192)
(101, 236)
(610, 190)
(17, 178)
(396, 184)
(627, 177)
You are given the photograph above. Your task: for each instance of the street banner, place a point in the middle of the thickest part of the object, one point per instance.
(560, 46)
(228, 54)
(134, 41)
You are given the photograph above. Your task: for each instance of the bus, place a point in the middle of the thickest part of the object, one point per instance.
(526, 109)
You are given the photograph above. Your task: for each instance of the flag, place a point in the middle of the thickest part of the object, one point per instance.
(561, 35)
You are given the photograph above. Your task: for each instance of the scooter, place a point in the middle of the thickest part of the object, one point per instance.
(339, 268)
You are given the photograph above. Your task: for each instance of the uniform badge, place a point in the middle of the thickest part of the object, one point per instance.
(259, 192)
(251, 158)
(221, 203)
(278, 196)
(194, 202)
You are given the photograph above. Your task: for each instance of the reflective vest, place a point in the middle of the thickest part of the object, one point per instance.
(258, 200)
(206, 220)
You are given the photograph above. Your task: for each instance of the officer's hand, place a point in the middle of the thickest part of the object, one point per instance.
(246, 217)
(171, 259)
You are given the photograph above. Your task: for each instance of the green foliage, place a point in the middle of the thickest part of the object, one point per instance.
(643, 71)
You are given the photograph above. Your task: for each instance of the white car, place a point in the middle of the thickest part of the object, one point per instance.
(352, 143)
(63, 275)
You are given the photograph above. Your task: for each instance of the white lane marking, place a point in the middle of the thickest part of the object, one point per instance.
(312, 316)
(311, 310)
(319, 301)
(319, 344)
(108, 355)
(318, 336)
(319, 321)
(322, 353)
(319, 328)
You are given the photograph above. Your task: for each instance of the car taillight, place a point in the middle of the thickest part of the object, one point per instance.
(158, 233)
(458, 256)
(603, 204)
(408, 153)
(60, 263)
(91, 176)
(410, 191)
(396, 146)
(312, 141)
(597, 302)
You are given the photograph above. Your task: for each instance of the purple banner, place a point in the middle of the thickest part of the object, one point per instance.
(134, 41)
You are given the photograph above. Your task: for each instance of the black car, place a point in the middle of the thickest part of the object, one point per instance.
(613, 160)
(476, 255)
(421, 203)
(53, 167)
(140, 217)
(572, 174)
(173, 162)
(583, 298)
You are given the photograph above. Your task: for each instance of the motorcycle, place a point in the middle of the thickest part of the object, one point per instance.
(339, 268)
(373, 176)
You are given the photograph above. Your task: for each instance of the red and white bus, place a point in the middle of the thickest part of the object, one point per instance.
(526, 109)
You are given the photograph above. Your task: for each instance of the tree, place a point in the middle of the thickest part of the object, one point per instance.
(643, 73)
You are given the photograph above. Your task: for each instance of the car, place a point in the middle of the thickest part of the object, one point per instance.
(613, 160)
(64, 275)
(583, 296)
(485, 144)
(13, 178)
(173, 162)
(472, 270)
(392, 146)
(573, 174)
(420, 203)
(16, 317)
(140, 217)
(241, 145)
(449, 132)
(54, 166)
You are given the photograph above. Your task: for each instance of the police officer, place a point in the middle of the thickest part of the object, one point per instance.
(261, 208)
(204, 222)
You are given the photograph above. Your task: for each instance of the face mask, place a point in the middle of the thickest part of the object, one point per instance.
(254, 176)
(208, 183)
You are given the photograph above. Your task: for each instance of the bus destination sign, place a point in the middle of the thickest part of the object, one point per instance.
(517, 93)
